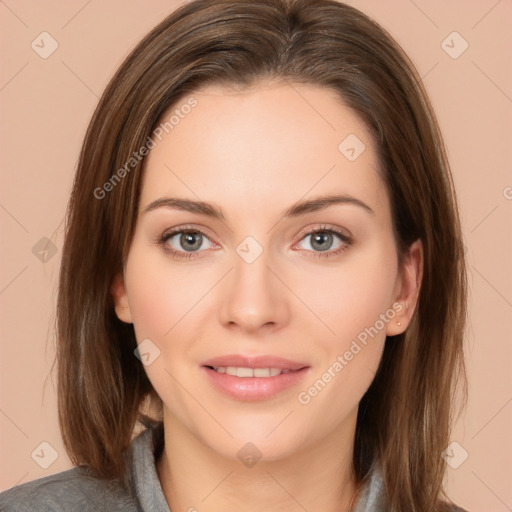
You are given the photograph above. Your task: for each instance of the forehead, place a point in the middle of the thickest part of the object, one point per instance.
(263, 145)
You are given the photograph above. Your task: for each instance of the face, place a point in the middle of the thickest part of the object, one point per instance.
(263, 318)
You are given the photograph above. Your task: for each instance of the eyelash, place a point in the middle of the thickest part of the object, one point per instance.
(181, 255)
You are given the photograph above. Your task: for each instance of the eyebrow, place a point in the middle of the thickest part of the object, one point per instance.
(295, 210)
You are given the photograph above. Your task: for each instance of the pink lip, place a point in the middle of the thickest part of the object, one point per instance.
(254, 388)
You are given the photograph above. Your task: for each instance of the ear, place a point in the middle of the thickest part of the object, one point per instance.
(121, 303)
(407, 289)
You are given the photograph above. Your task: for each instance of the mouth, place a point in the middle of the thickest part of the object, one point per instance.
(250, 372)
(253, 378)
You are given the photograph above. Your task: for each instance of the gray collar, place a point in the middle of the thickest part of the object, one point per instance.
(144, 476)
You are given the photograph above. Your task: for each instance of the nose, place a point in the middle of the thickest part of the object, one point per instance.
(253, 297)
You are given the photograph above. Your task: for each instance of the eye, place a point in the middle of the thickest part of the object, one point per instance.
(186, 242)
(321, 241)
(183, 243)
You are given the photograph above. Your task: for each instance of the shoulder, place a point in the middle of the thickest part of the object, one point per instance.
(74, 489)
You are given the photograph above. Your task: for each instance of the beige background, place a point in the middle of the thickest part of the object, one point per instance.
(46, 105)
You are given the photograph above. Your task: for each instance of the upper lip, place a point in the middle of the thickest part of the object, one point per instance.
(262, 361)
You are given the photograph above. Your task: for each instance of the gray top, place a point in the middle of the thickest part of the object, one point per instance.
(77, 489)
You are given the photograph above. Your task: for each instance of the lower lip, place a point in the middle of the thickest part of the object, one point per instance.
(254, 388)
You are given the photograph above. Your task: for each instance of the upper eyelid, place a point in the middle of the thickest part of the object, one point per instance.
(335, 229)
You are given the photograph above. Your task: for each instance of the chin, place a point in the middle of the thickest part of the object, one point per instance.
(263, 440)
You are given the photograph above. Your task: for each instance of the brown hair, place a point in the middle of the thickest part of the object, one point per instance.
(404, 418)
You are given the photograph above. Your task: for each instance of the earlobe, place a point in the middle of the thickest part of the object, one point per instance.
(409, 285)
(120, 298)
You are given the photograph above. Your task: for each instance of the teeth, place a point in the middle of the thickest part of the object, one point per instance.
(244, 372)
(250, 372)
(263, 372)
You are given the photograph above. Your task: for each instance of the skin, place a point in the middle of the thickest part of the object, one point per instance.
(253, 154)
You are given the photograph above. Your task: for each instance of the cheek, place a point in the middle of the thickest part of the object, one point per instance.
(164, 296)
(168, 302)
(352, 304)
(351, 297)
(160, 292)
(355, 302)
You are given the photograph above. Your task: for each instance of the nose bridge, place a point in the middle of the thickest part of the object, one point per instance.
(253, 296)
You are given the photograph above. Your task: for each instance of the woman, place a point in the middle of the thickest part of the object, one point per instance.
(263, 266)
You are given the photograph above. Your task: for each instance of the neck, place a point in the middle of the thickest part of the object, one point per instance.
(195, 477)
